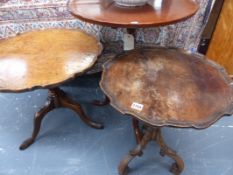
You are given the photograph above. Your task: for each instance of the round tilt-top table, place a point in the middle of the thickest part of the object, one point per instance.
(166, 87)
(46, 59)
(155, 13)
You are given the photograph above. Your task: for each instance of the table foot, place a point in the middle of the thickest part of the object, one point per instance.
(138, 151)
(176, 167)
(49, 106)
(26, 143)
(56, 99)
(152, 134)
(105, 102)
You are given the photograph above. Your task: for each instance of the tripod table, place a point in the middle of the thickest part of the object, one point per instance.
(46, 59)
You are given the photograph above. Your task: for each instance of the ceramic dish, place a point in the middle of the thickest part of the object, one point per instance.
(131, 3)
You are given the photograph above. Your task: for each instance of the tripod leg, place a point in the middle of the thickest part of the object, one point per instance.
(37, 124)
(69, 103)
(123, 166)
(178, 166)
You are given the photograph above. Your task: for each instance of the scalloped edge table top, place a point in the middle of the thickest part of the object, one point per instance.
(45, 58)
(168, 87)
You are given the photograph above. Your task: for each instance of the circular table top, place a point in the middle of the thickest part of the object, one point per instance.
(168, 87)
(45, 58)
(155, 13)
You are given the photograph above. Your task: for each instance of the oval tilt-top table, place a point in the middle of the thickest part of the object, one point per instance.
(166, 87)
(46, 59)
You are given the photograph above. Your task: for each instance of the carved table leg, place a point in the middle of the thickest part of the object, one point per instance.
(152, 134)
(123, 166)
(176, 167)
(56, 99)
(101, 103)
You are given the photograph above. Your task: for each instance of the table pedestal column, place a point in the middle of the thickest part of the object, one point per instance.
(57, 99)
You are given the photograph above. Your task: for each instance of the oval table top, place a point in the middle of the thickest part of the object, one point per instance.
(155, 13)
(45, 58)
(168, 87)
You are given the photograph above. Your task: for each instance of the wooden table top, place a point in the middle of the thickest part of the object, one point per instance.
(157, 13)
(45, 58)
(168, 87)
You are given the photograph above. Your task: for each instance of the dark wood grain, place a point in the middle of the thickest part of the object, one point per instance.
(45, 58)
(157, 13)
(174, 87)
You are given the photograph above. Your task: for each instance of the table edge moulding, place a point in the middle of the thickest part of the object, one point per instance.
(8, 50)
(213, 118)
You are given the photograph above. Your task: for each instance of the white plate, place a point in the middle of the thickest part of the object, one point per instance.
(131, 3)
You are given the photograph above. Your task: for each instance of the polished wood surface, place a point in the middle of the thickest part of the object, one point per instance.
(221, 46)
(168, 87)
(45, 58)
(157, 13)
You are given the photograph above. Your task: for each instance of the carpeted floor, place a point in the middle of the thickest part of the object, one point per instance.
(66, 146)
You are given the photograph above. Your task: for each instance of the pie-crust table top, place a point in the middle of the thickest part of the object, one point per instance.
(45, 58)
(168, 87)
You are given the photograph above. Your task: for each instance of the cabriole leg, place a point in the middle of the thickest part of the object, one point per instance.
(57, 99)
(39, 116)
(176, 167)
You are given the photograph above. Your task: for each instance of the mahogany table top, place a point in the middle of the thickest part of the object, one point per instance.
(168, 87)
(156, 13)
(45, 58)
